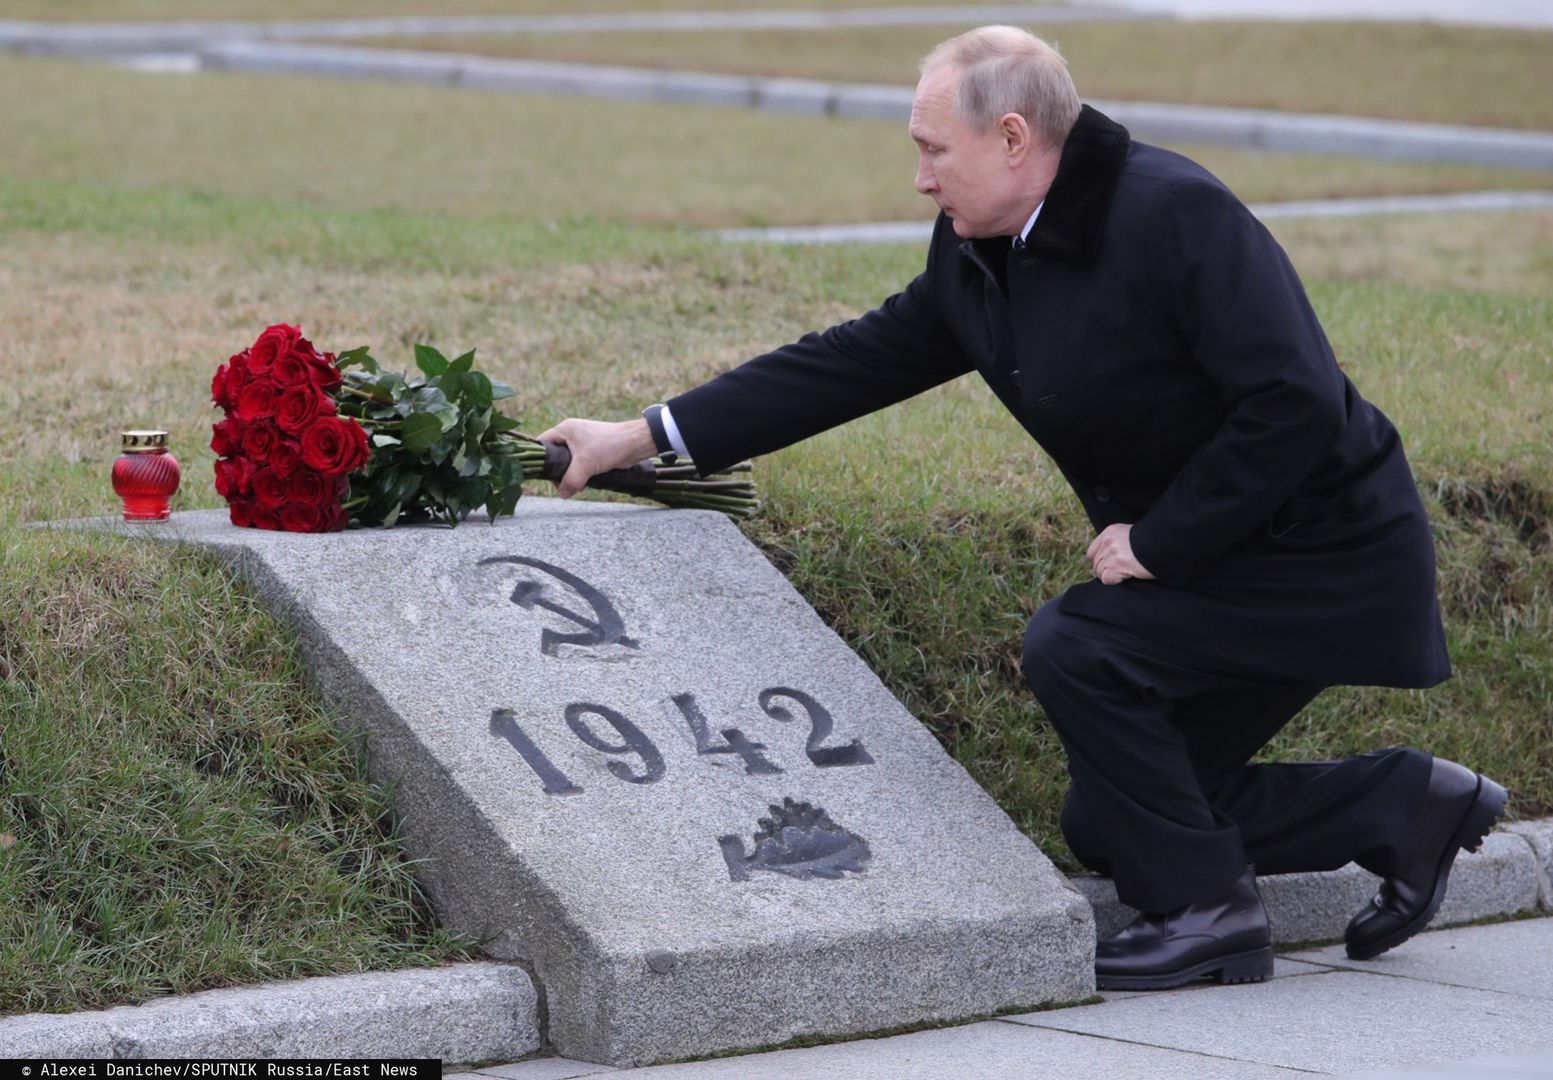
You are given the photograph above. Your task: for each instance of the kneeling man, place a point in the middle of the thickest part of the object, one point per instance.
(1259, 535)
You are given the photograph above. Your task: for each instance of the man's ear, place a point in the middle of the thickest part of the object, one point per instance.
(1015, 131)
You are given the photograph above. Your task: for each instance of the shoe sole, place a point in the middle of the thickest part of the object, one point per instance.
(1487, 804)
(1254, 965)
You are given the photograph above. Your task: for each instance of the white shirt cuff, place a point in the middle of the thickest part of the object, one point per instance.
(671, 429)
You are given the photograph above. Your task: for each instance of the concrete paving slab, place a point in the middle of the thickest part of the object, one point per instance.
(697, 88)
(803, 96)
(637, 760)
(552, 1068)
(1283, 968)
(1338, 1022)
(1510, 957)
(992, 1049)
(1536, 1065)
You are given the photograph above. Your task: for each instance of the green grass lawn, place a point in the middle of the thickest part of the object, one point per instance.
(183, 813)
(1405, 71)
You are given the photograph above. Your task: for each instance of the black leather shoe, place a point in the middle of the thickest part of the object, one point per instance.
(1225, 935)
(1459, 808)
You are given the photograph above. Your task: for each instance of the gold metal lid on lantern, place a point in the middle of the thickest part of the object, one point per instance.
(144, 442)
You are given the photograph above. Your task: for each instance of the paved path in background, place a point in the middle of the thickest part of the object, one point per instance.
(116, 37)
(1528, 14)
(184, 34)
(1261, 129)
(918, 232)
(1471, 1003)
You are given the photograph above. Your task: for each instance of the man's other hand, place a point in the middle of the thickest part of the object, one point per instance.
(1111, 556)
(598, 446)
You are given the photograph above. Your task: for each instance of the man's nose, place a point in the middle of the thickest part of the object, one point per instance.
(926, 183)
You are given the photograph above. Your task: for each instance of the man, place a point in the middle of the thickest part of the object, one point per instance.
(1259, 533)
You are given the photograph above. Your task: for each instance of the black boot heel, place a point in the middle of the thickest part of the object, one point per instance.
(1248, 967)
(1486, 808)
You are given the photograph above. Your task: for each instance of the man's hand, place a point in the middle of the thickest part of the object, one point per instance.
(1111, 556)
(598, 446)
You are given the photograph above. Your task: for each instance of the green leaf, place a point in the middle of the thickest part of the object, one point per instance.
(502, 422)
(453, 384)
(473, 465)
(501, 390)
(352, 357)
(391, 517)
(419, 431)
(382, 438)
(475, 425)
(430, 360)
(463, 363)
(479, 390)
(430, 399)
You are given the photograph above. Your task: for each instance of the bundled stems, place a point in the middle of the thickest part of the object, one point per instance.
(679, 484)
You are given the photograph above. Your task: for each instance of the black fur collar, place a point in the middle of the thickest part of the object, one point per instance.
(1073, 217)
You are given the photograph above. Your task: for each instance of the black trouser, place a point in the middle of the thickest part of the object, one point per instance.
(1162, 798)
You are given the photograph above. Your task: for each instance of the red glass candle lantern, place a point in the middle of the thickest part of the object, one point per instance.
(145, 476)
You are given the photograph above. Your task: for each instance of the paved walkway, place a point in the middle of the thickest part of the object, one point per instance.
(1471, 1003)
(918, 232)
(1528, 14)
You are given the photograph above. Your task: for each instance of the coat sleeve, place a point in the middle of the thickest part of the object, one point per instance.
(1244, 317)
(899, 349)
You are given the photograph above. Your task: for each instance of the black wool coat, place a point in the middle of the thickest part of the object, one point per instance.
(1155, 340)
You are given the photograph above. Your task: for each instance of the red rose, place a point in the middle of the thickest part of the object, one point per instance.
(242, 512)
(234, 478)
(285, 456)
(291, 370)
(265, 517)
(229, 478)
(297, 407)
(218, 390)
(256, 401)
(325, 375)
(313, 488)
(334, 446)
(269, 490)
(301, 517)
(226, 437)
(275, 342)
(259, 439)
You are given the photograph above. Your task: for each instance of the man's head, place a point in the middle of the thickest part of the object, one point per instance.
(991, 112)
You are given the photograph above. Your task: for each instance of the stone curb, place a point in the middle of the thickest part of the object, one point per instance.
(919, 232)
(464, 1012)
(1508, 875)
(488, 1011)
(119, 37)
(1388, 140)
(1247, 128)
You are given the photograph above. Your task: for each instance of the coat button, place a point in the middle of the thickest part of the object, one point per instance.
(1102, 493)
(1014, 375)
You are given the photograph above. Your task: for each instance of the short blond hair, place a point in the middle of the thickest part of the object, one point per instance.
(1003, 70)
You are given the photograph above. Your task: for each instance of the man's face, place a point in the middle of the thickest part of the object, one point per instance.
(965, 173)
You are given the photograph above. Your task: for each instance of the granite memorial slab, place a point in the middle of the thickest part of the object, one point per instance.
(637, 762)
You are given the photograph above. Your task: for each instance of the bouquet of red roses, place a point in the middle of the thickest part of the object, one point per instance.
(284, 451)
(306, 445)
